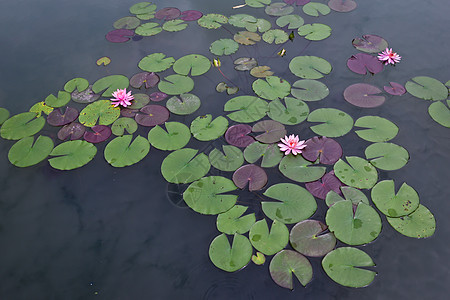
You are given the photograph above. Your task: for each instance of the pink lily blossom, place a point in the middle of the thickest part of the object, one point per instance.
(121, 97)
(389, 57)
(291, 144)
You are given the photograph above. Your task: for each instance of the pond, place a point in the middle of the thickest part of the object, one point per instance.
(125, 233)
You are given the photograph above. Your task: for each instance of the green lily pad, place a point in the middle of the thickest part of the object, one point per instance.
(232, 221)
(246, 109)
(315, 31)
(275, 35)
(379, 129)
(110, 84)
(271, 88)
(126, 23)
(245, 63)
(143, 8)
(207, 195)
(343, 266)
(309, 238)
(139, 101)
(257, 3)
(186, 104)
(80, 84)
(22, 125)
(440, 113)
(101, 111)
(295, 111)
(335, 122)
(261, 72)
(267, 242)
(309, 67)
(176, 137)
(247, 37)
(309, 90)
(229, 161)
(270, 153)
(38, 108)
(195, 64)
(224, 47)
(258, 259)
(148, 29)
(315, 9)
(72, 154)
(232, 258)
(241, 20)
(261, 25)
(349, 193)
(296, 203)
(419, 224)
(427, 88)
(299, 169)
(279, 9)
(121, 152)
(204, 128)
(185, 166)
(62, 99)
(288, 262)
(174, 25)
(24, 153)
(176, 85)
(124, 124)
(359, 174)
(292, 21)
(387, 156)
(392, 204)
(353, 227)
(156, 62)
(212, 21)
(4, 114)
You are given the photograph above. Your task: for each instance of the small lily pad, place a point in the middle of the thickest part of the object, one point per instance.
(272, 131)
(245, 63)
(190, 15)
(74, 131)
(121, 125)
(99, 133)
(110, 84)
(378, 129)
(59, 118)
(327, 150)
(101, 111)
(320, 188)
(85, 97)
(427, 88)
(104, 60)
(72, 155)
(26, 152)
(309, 238)
(212, 21)
(370, 43)
(309, 90)
(38, 108)
(232, 258)
(176, 137)
(275, 35)
(255, 176)
(349, 193)
(195, 64)
(158, 96)
(315, 9)
(278, 9)
(143, 8)
(335, 122)
(122, 152)
(80, 84)
(204, 128)
(185, 104)
(127, 23)
(152, 115)
(362, 63)
(62, 99)
(232, 221)
(269, 242)
(257, 3)
(291, 21)
(299, 169)
(22, 125)
(224, 47)
(4, 114)
(295, 111)
(309, 67)
(315, 31)
(185, 166)
(270, 153)
(395, 89)
(148, 29)
(440, 113)
(176, 85)
(228, 161)
(247, 37)
(358, 173)
(364, 95)
(288, 262)
(246, 109)
(271, 88)
(258, 259)
(150, 79)
(261, 72)
(174, 25)
(156, 62)
(387, 156)
(119, 35)
(237, 135)
(419, 224)
(392, 204)
(168, 13)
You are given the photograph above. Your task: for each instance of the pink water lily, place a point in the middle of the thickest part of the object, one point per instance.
(121, 97)
(389, 57)
(291, 144)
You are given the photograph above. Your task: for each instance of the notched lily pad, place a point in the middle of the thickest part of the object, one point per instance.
(185, 166)
(272, 131)
(62, 99)
(147, 79)
(247, 37)
(58, 117)
(27, 152)
(370, 43)
(232, 258)
(310, 238)
(261, 72)
(190, 15)
(245, 63)
(72, 154)
(84, 97)
(4, 115)
(427, 88)
(378, 129)
(364, 95)
(237, 135)
(419, 224)
(121, 125)
(193, 64)
(185, 104)
(119, 35)
(158, 96)
(315, 9)
(357, 173)
(101, 111)
(79, 84)
(315, 31)
(309, 90)
(127, 23)
(110, 84)
(229, 160)
(440, 113)
(335, 122)
(74, 131)
(278, 9)
(212, 21)
(395, 89)
(176, 85)
(269, 242)
(168, 13)
(387, 156)
(392, 204)
(362, 63)
(255, 176)
(224, 47)
(349, 194)
(156, 62)
(99, 133)
(176, 137)
(299, 169)
(21, 125)
(232, 221)
(320, 188)
(122, 152)
(246, 109)
(204, 128)
(37, 108)
(148, 29)
(309, 67)
(327, 150)
(293, 112)
(275, 35)
(174, 25)
(152, 115)
(288, 262)
(271, 88)
(270, 153)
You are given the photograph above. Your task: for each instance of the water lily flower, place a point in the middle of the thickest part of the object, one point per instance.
(121, 97)
(291, 144)
(216, 63)
(389, 57)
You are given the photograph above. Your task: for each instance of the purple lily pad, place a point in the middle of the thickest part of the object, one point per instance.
(119, 35)
(191, 15)
(128, 112)
(273, 131)
(362, 63)
(152, 115)
(158, 96)
(168, 13)
(363, 95)
(309, 238)
(100, 134)
(342, 5)
(237, 135)
(150, 80)
(329, 183)
(255, 176)
(59, 118)
(298, 2)
(137, 37)
(327, 150)
(370, 43)
(74, 131)
(395, 89)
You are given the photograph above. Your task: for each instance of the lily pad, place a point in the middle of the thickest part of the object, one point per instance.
(278, 9)
(342, 5)
(297, 2)
(143, 8)
(275, 35)
(269, 242)
(85, 97)
(362, 63)
(101, 111)
(315, 31)
(291, 21)
(387, 156)
(427, 88)
(232, 221)
(110, 84)
(168, 13)
(309, 67)
(349, 193)
(72, 155)
(271, 88)
(25, 153)
(295, 203)
(392, 204)
(261, 72)
(299, 169)
(258, 259)
(237, 135)
(309, 90)
(245, 63)
(121, 152)
(363, 95)
(257, 3)
(148, 29)
(327, 150)
(272, 131)
(80, 84)
(139, 101)
(38, 108)
(212, 21)
(228, 161)
(315, 9)
(320, 188)
(156, 62)
(207, 195)
(335, 122)
(4, 115)
(99, 133)
(74, 131)
(419, 224)
(343, 265)
(150, 79)
(158, 96)
(395, 89)
(59, 118)
(255, 176)
(359, 173)
(103, 61)
(370, 43)
(185, 166)
(176, 85)
(22, 125)
(309, 238)
(128, 113)
(185, 104)
(247, 37)
(288, 262)
(295, 111)
(121, 125)
(241, 20)
(261, 25)
(190, 15)
(127, 23)
(195, 64)
(270, 153)
(152, 115)
(224, 47)
(119, 35)
(176, 137)
(440, 113)
(174, 25)
(204, 128)
(378, 129)
(246, 109)
(232, 258)
(62, 99)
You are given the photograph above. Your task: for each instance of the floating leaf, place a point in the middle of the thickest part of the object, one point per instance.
(378, 129)
(146, 16)
(139, 101)
(62, 99)
(119, 35)
(185, 104)
(232, 258)
(38, 108)
(148, 29)
(80, 84)
(84, 97)
(59, 118)
(261, 25)
(72, 154)
(279, 9)
(327, 150)
(309, 90)
(121, 152)
(128, 113)
(195, 64)
(246, 109)
(360, 173)
(296, 203)
(212, 21)
(261, 72)
(335, 122)
(272, 131)
(363, 95)
(168, 13)
(439, 112)
(156, 62)
(24, 153)
(288, 262)
(270, 153)
(100, 134)
(427, 88)
(275, 35)
(237, 135)
(343, 266)
(22, 125)
(228, 161)
(241, 20)
(110, 84)
(387, 156)
(258, 259)
(320, 188)
(176, 85)
(299, 169)
(152, 115)
(190, 15)
(309, 238)
(267, 242)
(419, 224)
(247, 37)
(349, 193)
(232, 221)
(292, 21)
(143, 8)
(150, 79)
(315, 9)
(176, 137)
(174, 25)
(295, 111)
(224, 47)
(120, 125)
(203, 128)
(309, 67)
(127, 23)
(207, 195)
(185, 166)
(74, 131)
(101, 111)
(315, 31)
(297, 2)
(272, 88)
(158, 96)
(370, 43)
(255, 176)
(362, 63)
(4, 114)
(395, 89)
(392, 204)
(245, 64)
(257, 3)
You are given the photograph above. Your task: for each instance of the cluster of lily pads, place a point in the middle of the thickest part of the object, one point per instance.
(247, 137)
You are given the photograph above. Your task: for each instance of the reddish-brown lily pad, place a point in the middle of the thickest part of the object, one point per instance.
(395, 89)
(74, 131)
(370, 43)
(309, 238)
(362, 63)
(119, 35)
(237, 135)
(327, 150)
(255, 176)
(298, 2)
(363, 95)
(152, 115)
(168, 13)
(128, 112)
(320, 188)
(273, 131)
(150, 79)
(99, 133)
(58, 117)
(191, 15)
(342, 5)
(158, 96)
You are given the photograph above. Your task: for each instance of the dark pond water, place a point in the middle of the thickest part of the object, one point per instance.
(100, 232)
